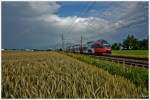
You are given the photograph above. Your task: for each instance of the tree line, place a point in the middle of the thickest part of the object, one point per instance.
(131, 43)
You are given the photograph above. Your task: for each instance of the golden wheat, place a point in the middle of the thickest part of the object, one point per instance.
(54, 75)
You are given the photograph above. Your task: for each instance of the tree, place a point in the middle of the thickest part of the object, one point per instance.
(130, 42)
(115, 46)
(135, 44)
(144, 44)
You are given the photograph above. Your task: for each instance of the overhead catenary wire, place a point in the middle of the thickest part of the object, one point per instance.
(82, 13)
(86, 10)
(76, 18)
(92, 24)
(62, 37)
(69, 29)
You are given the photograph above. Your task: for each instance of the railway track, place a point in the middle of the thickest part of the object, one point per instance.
(134, 61)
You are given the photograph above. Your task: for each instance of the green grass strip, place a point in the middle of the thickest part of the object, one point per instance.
(139, 76)
(133, 53)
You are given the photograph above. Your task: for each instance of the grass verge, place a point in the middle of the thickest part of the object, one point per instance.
(133, 53)
(139, 76)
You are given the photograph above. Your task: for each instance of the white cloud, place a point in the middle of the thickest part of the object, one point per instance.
(44, 7)
(73, 26)
(46, 25)
(79, 24)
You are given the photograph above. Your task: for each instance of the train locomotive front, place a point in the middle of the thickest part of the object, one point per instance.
(92, 47)
(99, 47)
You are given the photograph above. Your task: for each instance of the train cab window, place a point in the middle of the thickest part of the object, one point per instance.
(107, 45)
(93, 46)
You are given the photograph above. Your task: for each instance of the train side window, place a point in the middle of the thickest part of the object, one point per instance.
(93, 46)
(96, 46)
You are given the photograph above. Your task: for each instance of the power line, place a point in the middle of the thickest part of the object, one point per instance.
(84, 11)
(92, 24)
(90, 5)
(71, 25)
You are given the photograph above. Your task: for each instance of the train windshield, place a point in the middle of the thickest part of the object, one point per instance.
(105, 43)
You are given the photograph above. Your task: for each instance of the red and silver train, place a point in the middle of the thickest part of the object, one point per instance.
(93, 47)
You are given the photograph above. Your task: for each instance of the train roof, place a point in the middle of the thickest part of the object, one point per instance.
(102, 41)
(98, 41)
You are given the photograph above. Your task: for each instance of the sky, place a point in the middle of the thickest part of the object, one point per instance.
(32, 24)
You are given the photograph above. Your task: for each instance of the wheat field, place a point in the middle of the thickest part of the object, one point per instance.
(55, 75)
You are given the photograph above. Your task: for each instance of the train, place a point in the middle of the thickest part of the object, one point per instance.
(93, 47)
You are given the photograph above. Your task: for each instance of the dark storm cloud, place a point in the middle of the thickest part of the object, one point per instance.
(20, 30)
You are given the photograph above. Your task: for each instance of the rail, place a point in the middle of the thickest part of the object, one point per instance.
(134, 61)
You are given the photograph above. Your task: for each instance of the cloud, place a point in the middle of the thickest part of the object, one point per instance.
(38, 24)
(44, 7)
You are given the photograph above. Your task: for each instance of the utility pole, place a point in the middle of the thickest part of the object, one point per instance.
(62, 42)
(57, 41)
(81, 48)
